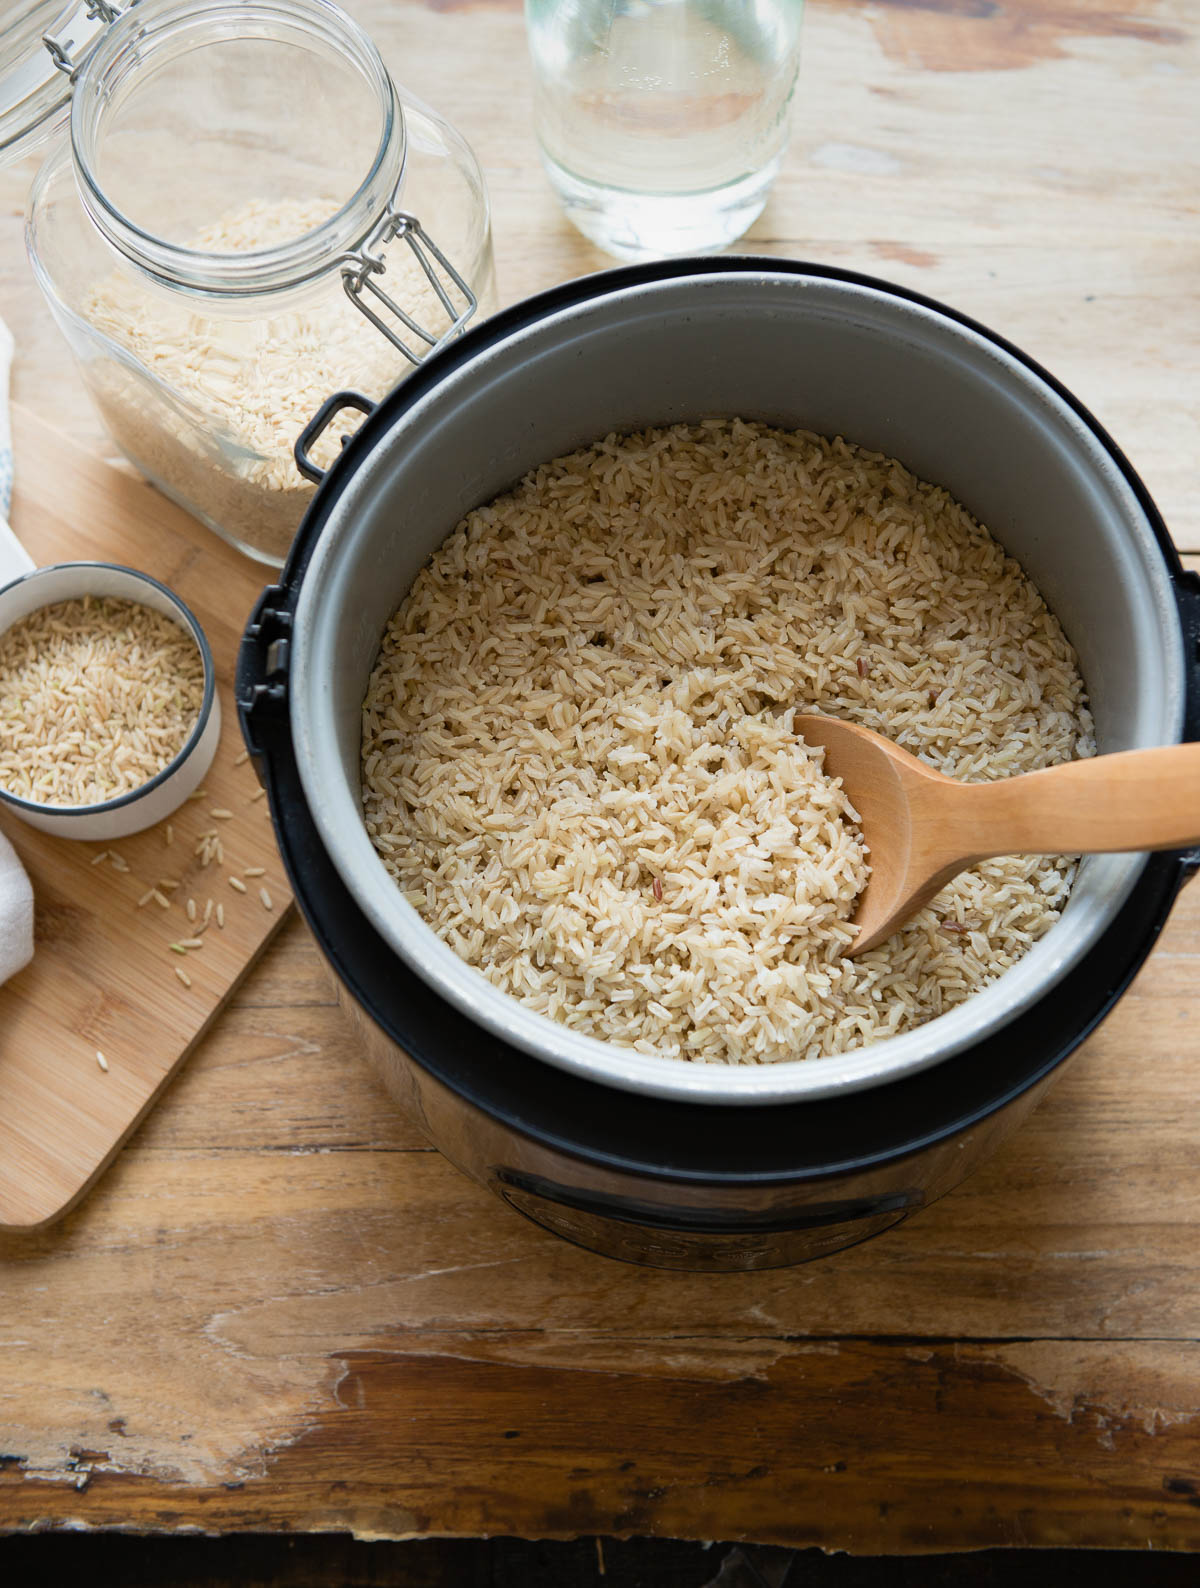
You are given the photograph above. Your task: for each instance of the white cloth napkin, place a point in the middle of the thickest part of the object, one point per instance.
(16, 895)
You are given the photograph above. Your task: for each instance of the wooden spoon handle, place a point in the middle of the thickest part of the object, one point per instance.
(1136, 799)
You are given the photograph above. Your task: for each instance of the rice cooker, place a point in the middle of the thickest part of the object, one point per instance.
(646, 1158)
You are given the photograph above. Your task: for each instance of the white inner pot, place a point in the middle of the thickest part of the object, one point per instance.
(802, 352)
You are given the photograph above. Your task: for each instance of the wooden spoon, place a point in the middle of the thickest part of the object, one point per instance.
(922, 828)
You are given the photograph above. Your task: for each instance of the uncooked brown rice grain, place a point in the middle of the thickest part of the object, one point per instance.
(97, 696)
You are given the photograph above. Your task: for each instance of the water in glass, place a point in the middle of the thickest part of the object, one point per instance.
(662, 123)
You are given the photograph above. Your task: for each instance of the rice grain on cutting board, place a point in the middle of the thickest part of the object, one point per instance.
(97, 696)
(578, 754)
(254, 383)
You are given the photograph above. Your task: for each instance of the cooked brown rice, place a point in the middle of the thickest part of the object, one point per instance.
(97, 696)
(578, 756)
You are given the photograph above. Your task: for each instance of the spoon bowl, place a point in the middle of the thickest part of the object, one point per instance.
(922, 828)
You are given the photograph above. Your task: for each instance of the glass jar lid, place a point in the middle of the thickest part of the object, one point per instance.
(189, 114)
(35, 95)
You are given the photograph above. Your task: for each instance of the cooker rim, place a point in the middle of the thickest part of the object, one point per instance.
(264, 694)
(880, 1063)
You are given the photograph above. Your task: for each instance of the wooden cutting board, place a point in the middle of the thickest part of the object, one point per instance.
(104, 977)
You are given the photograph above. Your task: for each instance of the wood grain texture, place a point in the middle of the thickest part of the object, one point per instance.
(278, 1311)
(104, 978)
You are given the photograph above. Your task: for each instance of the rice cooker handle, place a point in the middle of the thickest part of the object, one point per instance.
(695, 1237)
(319, 423)
(1189, 612)
(261, 680)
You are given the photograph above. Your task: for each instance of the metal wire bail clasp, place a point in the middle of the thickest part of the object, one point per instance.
(72, 43)
(359, 271)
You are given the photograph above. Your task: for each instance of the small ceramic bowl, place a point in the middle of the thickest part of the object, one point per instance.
(155, 799)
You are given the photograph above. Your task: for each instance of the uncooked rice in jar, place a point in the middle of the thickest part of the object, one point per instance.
(242, 387)
(578, 754)
(97, 696)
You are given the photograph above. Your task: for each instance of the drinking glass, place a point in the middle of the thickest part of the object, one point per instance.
(662, 123)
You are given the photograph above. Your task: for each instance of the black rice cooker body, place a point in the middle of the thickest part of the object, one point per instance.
(653, 1181)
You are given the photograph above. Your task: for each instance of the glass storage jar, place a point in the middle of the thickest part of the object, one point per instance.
(247, 215)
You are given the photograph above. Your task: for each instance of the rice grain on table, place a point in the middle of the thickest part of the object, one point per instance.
(579, 759)
(97, 696)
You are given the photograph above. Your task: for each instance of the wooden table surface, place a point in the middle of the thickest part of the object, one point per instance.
(281, 1309)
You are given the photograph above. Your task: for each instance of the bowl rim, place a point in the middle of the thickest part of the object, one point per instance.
(189, 621)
